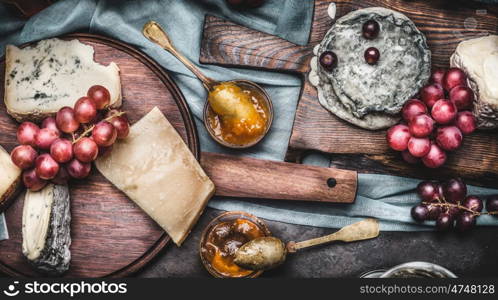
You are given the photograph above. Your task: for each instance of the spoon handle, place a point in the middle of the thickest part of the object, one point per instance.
(363, 230)
(155, 33)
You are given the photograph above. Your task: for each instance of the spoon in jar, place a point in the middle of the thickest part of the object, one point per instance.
(268, 252)
(220, 100)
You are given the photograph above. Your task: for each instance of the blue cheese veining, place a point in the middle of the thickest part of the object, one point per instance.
(54, 73)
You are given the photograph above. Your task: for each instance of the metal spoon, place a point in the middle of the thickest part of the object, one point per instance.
(155, 33)
(268, 252)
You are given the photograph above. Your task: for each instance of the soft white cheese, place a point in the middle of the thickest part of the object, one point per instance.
(36, 220)
(54, 73)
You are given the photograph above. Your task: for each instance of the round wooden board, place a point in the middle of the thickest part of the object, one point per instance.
(111, 236)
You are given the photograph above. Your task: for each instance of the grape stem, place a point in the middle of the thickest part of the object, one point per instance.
(89, 129)
(475, 213)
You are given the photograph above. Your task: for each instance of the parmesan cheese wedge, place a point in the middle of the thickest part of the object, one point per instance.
(41, 79)
(155, 168)
(10, 176)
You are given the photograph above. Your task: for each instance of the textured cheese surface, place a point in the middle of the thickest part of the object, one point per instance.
(371, 96)
(154, 167)
(36, 218)
(54, 73)
(480, 59)
(9, 174)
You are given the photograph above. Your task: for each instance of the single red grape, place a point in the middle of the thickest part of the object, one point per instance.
(492, 204)
(62, 150)
(444, 111)
(427, 191)
(437, 77)
(444, 222)
(104, 134)
(435, 158)
(420, 213)
(66, 121)
(462, 96)
(370, 29)
(46, 167)
(473, 203)
(398, 137)
(26, 133)
(372, 55)
(431, 93)
(453, 78)
(419, 147)
(122, 126)
(77, 169)
(465, 221)
(421, 126)
(434, 211)
(24, 156)
(454, 190)
(85, 150)
(32, 181)
(45, 138)
(449, 138)
(50, 124)
(328, 60)
(466, 122)
(100, 95)
(412, 108)
(85, 110)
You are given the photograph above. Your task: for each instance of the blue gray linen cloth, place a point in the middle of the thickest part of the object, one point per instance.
(387, 198)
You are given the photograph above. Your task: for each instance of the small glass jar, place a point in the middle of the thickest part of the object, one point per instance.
(228, 217)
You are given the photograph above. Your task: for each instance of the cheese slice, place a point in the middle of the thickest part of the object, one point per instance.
(10, 176)
(154, 167)
(54, 73)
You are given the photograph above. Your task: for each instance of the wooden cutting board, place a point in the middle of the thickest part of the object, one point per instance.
(445, 24)
(111, 236)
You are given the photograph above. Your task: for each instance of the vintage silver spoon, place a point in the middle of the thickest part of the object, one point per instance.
(268, 252)
(155, 33)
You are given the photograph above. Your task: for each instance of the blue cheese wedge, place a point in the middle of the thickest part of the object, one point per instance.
(54, 73)
(46, 230)
(156, 170)
(10, 176)
(371, 96)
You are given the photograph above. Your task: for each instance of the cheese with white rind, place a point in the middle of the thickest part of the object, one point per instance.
(10, 176)
(478, 58)
(46, 229)
(371, 96)
(156, 170)
(41, 79)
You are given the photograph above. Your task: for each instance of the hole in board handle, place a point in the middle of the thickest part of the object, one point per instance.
(331, 182)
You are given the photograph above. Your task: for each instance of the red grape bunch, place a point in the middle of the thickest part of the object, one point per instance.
(437, 122)
(449, 205)
(65, 146)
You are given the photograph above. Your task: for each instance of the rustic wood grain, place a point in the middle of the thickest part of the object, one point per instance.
(111, 235)
(445, 24)
(256, 178)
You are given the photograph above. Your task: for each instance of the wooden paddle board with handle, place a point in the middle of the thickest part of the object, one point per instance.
(113, 237)
(445, 24)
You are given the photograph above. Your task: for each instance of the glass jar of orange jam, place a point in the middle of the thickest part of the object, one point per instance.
(223, 237)
(238, 114)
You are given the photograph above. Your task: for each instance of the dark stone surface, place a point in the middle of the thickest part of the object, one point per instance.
(471, 255)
